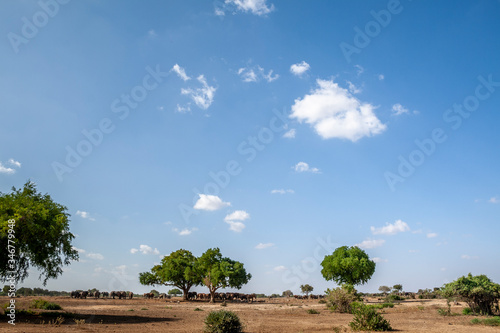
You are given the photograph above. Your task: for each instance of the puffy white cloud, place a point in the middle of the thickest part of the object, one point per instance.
(96, 256)
(279, 268)
(398, 109)
(304, 167)
(391, 229)
(15, 163)
(379, 260)
(254, 74)
(185, 231)
(371, 243)
(282, 191)
(262, 246)
(180, 72)
(236, 226)
(145, 249)
(334, 113)
(84, 215)
(290, 134)
(210, 203)
(432, 235)
(237, 215)
(6, 170)
(247, 75)
(257, 7)
(299, 68)
(202, 97)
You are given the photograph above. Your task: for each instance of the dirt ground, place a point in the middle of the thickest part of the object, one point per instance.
(275, 315)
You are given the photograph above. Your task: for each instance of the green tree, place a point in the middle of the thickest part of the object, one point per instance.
(398, 287)
(349, 265)
(6, 289)
(220, 272)
(176, 269)
(42, 236)
(480, 293)
(306, 289)
(155, 292)
(174, 292)
(287, 293)
(384, 289)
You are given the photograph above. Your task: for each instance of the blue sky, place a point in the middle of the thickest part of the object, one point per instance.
(275, 130)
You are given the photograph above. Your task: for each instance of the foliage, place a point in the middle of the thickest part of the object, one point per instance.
(42, 237)
(480, 293)
(398, 287)
(306, 289)
(467, 311)
(494, 321)
(198, 309)
(368, 319)
(222, 321)
(44, 305)
(174, 291)
(384, 289)
(349, 265)
(287, 293)
(312, 311)
(220, 272)
(392, 298)
(176, 269)
(381, 306)
(156, 293)
(340, 299)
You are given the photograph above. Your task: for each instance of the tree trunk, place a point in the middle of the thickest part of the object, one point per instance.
(185, 292)
(212, 295)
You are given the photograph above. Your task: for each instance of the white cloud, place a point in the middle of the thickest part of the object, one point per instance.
(282, 191)
(255, 74)
(494, 200)
(467, 257)
(180, 72)
(379, 260)
(210, 203)
(257, 7)
(359, 70)
(398, 109)
(335, 113)
(185, 231)
(183, 109)
(299, 68)
(6, 170)
(236, 226)
(237, 215)
(290, 134)
(371, 243)
(304, 167)
(391, 229)
(432, 235)
(381, 77)
(84, 215)
(96, 256)
(145, 249)
(262, 246)
(279, 268)
(202, 97)
(79, 250)
(15, 163)
(353, 89)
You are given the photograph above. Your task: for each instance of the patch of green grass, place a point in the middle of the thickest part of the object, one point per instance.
(467, 311)
(381, 305)
(198, 309)
(421, 308)
(312, 311)
(493, 321)
(44, 305)
(143, 309)
(130, 309)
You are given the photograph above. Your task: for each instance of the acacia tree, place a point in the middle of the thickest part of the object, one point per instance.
(176, 269)
(306, 289)
(42, 236)
(220, 272)
(348, 265)
(384, 289)
(398, 287)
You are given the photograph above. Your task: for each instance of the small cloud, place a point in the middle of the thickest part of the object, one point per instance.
(467, 257)
(432, 235)
(145, 249)
(304, 167)
(152, 34)
(203, 97)
(391, 229)
(183, 109)
(381, 77)
(236, 226)
(237, 215)
(262, 246)
(256, 73)
(210, 203)
(15, 163)
(371, 243)
(6, 170)
(180, 72)
(279, 268)
(443, 269)
(299, 68)
(398, 109)
(96, 256)
(352, 88)
(84, 215)
(79, 250)
(494, 200)
(290, 134)
(256, 7)
(359, 70)
(247, 75)
(185, 231)
(379, 260)
(282, 191)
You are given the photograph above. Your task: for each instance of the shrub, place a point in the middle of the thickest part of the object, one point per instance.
(198, 309)
(494, 321)
(312, 311)
(322, 301)
(222, 322)
(44, 305)
(392, 298)
(381, 306)
(467, 311)
(340, 299)
(368, 319)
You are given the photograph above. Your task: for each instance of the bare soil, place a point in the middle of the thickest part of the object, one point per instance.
(274, 315)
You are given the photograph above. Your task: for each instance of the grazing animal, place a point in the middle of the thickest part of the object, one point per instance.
(97, 294)
(192, 295)
(130, 295)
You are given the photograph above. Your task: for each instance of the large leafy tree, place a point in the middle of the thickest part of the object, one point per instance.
(220, 272)
(480, 293)
(42, 236)
(348, 265)
(306, 289)
(176, 269)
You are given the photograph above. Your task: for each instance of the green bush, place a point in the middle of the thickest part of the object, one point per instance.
(368, 319)
(392, 298)
(381, 306)
(341, 298)
(44, 305)
(312, 311)
(467, 311)
(494, 321)
(223, 321)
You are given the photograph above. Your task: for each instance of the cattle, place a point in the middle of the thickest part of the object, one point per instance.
(191, 295)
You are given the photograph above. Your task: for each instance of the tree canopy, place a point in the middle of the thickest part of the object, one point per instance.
(177, 269)
(220, 272)
(349, 265)
(384, 289)
(398, 287)
(306, 289)
(42, 236)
